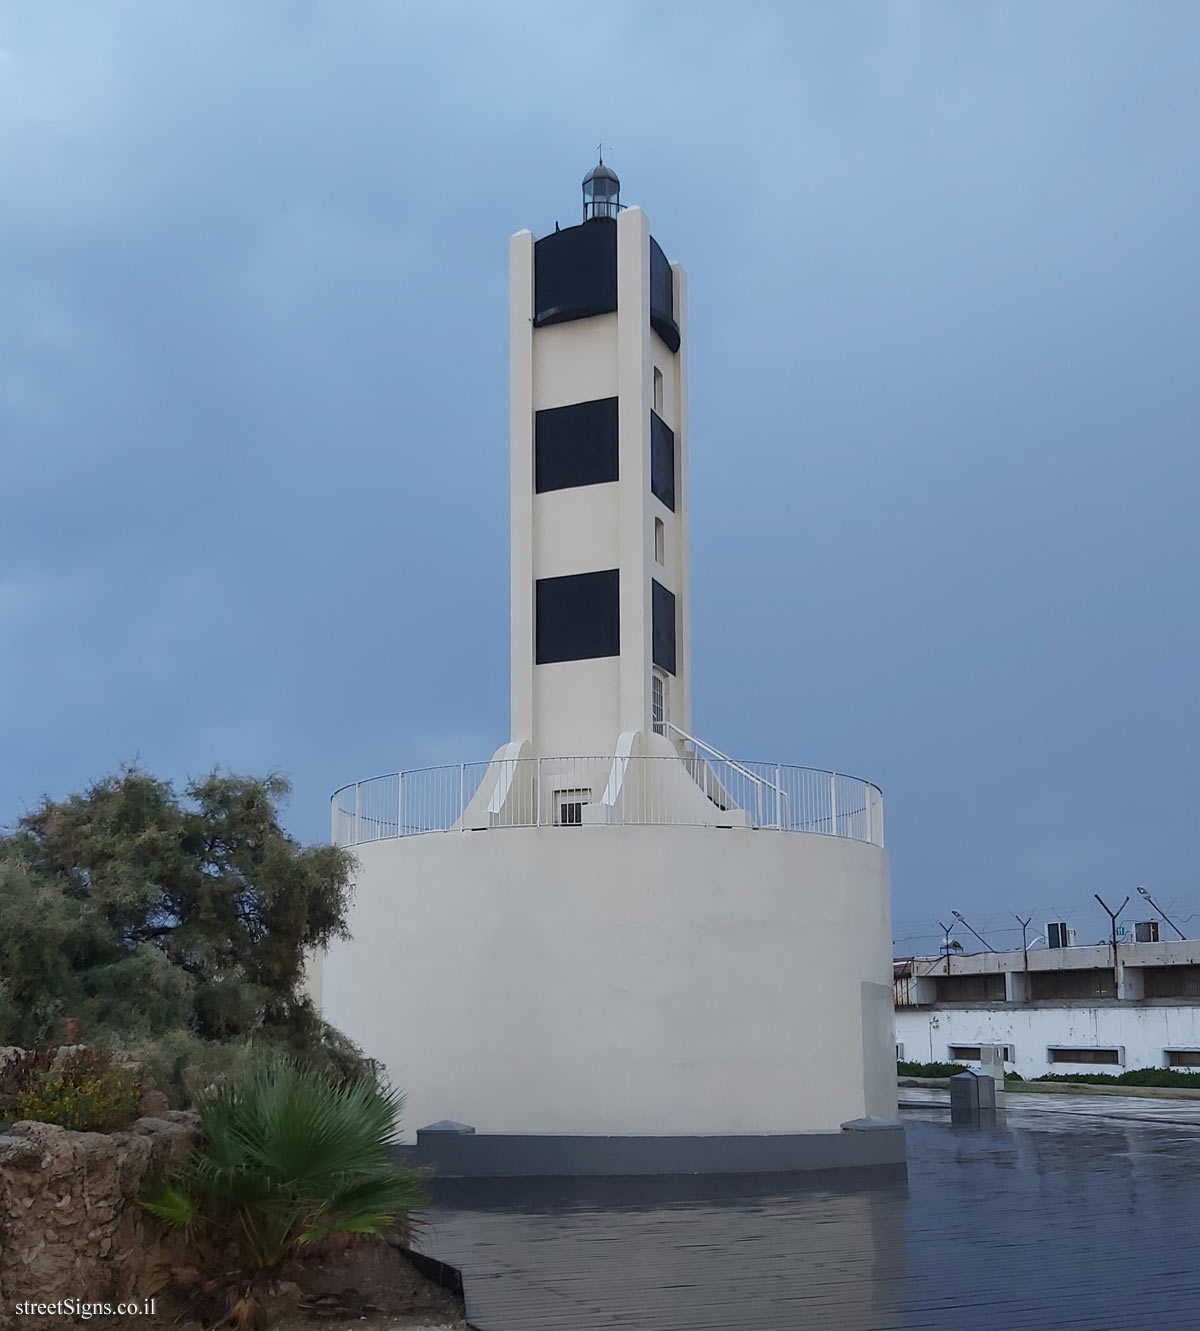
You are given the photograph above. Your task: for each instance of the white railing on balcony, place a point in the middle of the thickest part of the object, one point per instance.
(701, 789)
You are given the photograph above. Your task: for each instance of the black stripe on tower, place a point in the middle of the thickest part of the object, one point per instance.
(575, 277)
(662, 460)
(662, 626)
(577, 618)
(575, 445)
(662, 297)
(575, 273)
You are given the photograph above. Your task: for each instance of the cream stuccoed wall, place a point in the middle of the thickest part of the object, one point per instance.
(678, 561)
(631, 979)
(635, 390)
(521, 496)
(1143, 1032)
(575, 361)
(577, 707)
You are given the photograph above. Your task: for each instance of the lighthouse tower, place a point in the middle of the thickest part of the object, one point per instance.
(599, 533)
(612, 947)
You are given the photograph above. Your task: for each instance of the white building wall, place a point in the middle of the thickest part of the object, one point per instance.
(1143, 1032)
(674, 980)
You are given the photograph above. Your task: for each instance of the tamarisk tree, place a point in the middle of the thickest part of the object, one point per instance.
(137, 913)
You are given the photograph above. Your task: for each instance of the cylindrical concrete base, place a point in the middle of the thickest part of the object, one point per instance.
(623, 980)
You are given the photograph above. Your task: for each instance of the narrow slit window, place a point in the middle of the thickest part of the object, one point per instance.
(660, 541)
(658, 390)
(658, 703)
(973, 1053)
(1106, 1057)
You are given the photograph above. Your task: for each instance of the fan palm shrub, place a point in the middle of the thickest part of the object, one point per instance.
(289, 1157)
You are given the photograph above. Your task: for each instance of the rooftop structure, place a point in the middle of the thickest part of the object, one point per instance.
(1064, 1009)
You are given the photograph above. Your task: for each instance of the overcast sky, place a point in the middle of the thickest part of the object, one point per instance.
(944, 271)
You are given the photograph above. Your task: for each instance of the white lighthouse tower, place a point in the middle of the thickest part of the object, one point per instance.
(611, 948)
(599, 481)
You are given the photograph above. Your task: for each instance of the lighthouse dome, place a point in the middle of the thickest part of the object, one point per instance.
(601, 193)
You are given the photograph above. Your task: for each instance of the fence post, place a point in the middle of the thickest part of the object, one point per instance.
(778, 800)
(400, 804)
(462, 791)
(833, 803)
(357, 812)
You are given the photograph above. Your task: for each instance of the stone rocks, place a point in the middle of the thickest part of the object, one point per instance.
(154, 1104)
(70, 1226)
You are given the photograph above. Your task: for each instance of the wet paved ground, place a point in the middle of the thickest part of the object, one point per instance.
(1078, 1215)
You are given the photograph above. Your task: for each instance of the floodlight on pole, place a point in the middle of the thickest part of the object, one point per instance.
(1145, 892)
(959, 917)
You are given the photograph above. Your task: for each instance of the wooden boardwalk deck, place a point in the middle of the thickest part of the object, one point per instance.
(1045, 1222)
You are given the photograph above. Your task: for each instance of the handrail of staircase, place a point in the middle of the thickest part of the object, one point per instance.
(725, 758)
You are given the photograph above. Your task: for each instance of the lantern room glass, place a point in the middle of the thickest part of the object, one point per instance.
(601, 197)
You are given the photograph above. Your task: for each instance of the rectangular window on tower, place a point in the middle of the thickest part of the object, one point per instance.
(658, 390)
(660, 542)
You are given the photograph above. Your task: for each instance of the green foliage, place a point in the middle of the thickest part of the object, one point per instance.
(85, 1091)
(17, 1071)
(183, 1064)
(160, 920)
(290, 1157)
(1134, 1077)
(929, 1069)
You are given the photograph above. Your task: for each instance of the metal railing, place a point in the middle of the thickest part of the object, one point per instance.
(700, 757)
(701, 788)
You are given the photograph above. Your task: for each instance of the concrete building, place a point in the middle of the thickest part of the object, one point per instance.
(611, 939)
(1058, 1009)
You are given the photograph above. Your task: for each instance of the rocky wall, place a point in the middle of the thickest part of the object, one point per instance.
(70, 1226)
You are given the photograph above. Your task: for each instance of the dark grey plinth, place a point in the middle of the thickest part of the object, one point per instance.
(972, 1096)
(456, 1153)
